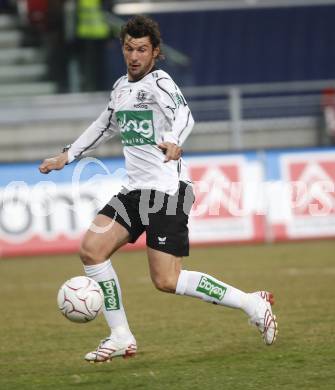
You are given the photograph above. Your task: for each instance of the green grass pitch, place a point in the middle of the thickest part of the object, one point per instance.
(183, 343)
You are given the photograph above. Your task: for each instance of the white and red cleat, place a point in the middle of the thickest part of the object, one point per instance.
(112, 347)
(263, 318)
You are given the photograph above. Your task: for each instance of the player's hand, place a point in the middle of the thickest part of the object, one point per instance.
(171, 151)
(54, 163)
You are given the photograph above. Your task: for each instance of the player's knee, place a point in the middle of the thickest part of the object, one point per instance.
(90, 254)
(165, 283)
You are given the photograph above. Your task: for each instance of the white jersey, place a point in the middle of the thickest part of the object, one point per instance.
(146, 113)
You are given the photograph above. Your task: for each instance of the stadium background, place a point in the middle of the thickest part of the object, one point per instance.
(259, 77)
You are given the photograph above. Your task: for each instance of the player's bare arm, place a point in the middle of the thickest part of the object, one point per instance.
(54, 163)
(171, 151)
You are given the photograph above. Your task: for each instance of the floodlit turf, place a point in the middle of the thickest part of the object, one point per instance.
(183, 343)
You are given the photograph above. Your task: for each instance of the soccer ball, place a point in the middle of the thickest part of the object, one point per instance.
(80, 299)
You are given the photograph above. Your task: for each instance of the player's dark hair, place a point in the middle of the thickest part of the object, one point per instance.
(140, 26)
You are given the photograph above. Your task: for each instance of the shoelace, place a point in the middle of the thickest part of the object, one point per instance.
(103, 341)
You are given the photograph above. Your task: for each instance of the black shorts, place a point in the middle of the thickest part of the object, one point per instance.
(163, 217)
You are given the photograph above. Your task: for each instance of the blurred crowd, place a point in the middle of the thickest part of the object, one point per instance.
(7, 5)
(71, 32)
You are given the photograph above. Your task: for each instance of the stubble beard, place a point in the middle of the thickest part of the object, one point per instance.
(140, 72)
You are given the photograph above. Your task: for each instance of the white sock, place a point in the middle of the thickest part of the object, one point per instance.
(113, 309)
(203, 286)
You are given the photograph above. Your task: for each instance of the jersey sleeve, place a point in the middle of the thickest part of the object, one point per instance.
(176, 111)
(102, 129)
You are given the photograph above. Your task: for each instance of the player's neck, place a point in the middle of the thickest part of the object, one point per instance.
(152, 69)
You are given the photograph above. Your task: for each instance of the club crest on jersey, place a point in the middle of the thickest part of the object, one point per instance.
(136, 127)
(141, 97)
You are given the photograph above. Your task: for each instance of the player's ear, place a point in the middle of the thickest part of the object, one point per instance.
(156, 52)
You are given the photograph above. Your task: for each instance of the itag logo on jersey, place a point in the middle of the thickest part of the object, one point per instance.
(136, 127)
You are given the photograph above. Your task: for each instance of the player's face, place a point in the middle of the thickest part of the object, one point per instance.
(139, 55)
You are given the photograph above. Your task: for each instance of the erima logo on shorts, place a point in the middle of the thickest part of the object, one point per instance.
(136, 127)
(161, 240)
(109, 288)
(211, 288)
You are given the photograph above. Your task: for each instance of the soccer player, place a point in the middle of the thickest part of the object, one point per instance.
(153, 118)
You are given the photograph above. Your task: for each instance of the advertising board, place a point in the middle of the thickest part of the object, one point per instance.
(239, 197)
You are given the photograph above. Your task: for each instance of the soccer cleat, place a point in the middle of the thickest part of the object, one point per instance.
(112, 347)
(263, 318)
